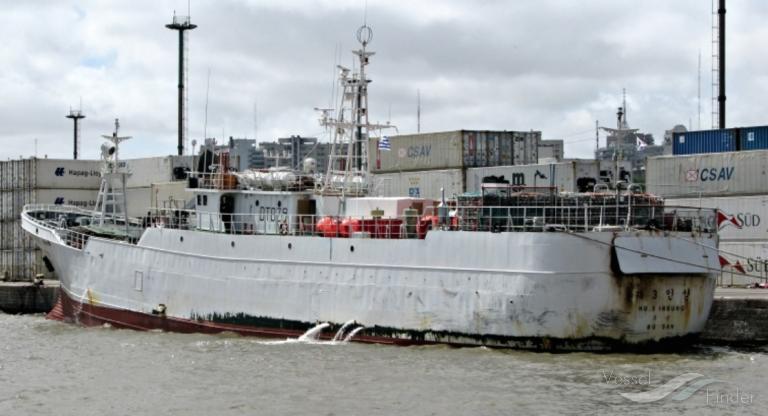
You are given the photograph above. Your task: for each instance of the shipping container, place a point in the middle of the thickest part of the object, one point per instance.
(22, 264)
(453, 150)
(753, 138)
(751, 256)
(716, 174)
(146, 171)
(425, 184)
(138, 200)
(86, 174)
(569, 176)
(525, 147)
(705, 141)
(12, 236)
(50, 173)
(12, 202)
(744, 218)
(417, 152)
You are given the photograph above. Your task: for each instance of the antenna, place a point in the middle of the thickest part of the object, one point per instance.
(624, 124)
(597, 135)
(255, 119)
(699, 92)
(715, 67)
(721, 62)
(418, 111)
(205, 120)
(75, 115)
(182, 24)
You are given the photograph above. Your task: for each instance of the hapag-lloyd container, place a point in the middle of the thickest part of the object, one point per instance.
(744, 218)
(424, 184)
(453, 150)
(85, 174)
(50, 173)
(716, 174)
(12, 202)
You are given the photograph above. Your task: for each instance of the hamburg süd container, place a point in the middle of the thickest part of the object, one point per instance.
(743, 218)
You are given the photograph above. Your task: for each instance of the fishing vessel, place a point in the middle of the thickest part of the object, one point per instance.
(277, 252)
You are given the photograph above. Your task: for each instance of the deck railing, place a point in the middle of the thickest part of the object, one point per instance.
(461, 218)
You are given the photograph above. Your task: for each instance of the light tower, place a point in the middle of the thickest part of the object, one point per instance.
(76, 115)
(182, 24)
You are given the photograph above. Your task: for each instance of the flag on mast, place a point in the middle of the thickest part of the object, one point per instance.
(384, 143)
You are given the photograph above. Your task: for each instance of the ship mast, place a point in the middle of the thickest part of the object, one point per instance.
(111, 199)
(348, 171)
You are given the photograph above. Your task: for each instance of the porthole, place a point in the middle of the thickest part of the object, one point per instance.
(181, 239)
(290, 246)
(257, 202)
(279, 204)
(352, 248)
(232, 243)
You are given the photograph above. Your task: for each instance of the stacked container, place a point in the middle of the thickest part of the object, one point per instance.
(735, 183)
(717, 141)
(65, 182)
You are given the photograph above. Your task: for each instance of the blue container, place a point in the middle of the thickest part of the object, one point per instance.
(753, 138)
(705, 141)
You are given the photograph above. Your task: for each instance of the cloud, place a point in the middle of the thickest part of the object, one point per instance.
(550, 65)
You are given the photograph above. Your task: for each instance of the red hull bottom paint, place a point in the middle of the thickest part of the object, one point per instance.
(70, 310)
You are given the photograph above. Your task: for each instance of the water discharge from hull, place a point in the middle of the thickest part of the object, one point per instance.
(313, 333)
(353, 333)
(340, 332)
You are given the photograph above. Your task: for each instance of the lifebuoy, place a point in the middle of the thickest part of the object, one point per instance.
(283, 228)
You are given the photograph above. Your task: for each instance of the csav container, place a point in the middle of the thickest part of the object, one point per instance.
(453, 150)
(716, 174)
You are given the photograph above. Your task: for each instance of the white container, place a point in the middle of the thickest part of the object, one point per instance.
(50, 173)
(424, 184)
(715, 174)
(85, 174)
(752, 256)
(746, 217)
(570, 176)
(12, 202)
(146, 171)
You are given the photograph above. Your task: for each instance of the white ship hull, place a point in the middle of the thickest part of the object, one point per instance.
(517, 289)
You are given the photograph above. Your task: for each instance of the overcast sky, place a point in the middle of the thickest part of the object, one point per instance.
(549, 65)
